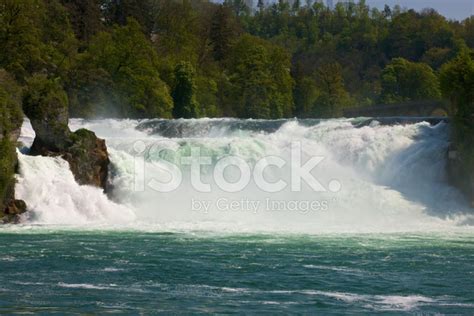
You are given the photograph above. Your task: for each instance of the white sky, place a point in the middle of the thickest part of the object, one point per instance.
(453, 9)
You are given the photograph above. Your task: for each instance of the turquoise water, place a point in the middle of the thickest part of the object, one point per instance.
(58, 271)
(140, 251)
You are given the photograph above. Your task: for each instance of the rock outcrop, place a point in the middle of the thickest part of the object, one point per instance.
(45, 104)
(86, 154)
(460, 170)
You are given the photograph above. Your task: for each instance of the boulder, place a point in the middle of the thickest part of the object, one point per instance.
(86, 154)
(46, 105)
(13, 210)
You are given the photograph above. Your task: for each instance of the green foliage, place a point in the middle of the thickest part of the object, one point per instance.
(46, 105)
(7, 170)
(436, 57)
(125, 59)
(405, 81)
(44, 98)
(176, 33)
(468, 31)
(457, 80)
(20, 36)
(11, 115)
(118, 11)
(457, 85)
(261, 84)
(305, 95)
(222, 33)
(11, 118)
(411, 33)
(85, 17)
(239, 7)
(35, 36)
(185, 105)
(207, 96)
(333, 96)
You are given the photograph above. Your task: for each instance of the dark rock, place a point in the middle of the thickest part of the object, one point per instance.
(86, 154)
(16, 207)
(12, 212)
(461, 173)
(45, 104)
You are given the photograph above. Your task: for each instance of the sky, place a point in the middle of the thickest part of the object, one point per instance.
(453, 9)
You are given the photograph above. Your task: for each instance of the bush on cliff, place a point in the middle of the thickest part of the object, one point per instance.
(457, 84)
(11, 118)
(46, 105)
(7, 171)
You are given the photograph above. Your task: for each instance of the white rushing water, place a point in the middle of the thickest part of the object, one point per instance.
(378, 178)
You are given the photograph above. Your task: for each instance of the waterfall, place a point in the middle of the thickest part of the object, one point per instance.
(371, 176)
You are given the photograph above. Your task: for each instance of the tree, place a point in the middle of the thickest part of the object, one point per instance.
(119, 11)
(282, 84)
(174, 34)
(468, 31)
(11, 116)
(259, 73)
(222, 33)
(305, 95)
(35, 36)
(250, 77)
(130, 63)
(296, 6)
(435, 57)
(185, 105)
(333, 96)
(85, 17)
(457, 85)
(239, 7)
(412, 33)
(20, 37)
(405, 81)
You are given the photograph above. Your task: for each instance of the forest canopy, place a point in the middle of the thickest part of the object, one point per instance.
(196, 58)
